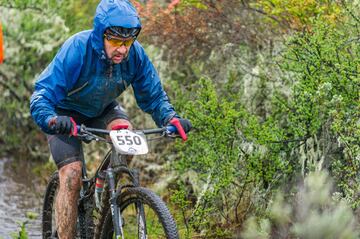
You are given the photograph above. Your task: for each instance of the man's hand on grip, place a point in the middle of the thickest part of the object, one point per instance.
(62, 125)
(183, 126)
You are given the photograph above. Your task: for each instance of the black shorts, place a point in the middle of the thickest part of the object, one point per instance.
(65, 149)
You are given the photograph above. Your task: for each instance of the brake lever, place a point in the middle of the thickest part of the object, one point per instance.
(172, 135)
(87, 136)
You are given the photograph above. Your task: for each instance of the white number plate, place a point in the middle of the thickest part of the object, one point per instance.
(128, 142)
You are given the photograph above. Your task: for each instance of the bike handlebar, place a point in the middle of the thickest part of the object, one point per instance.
(82, 130)
(168, 130)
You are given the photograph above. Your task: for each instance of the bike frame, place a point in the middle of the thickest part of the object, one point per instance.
(114, 165)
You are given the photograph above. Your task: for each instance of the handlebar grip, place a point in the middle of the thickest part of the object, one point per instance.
(170, 129)
(179, 128)
(78, 128)
(74, 131)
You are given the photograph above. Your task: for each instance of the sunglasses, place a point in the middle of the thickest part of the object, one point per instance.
(116, 42)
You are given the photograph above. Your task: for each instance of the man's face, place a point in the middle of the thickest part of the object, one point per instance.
(116, 48)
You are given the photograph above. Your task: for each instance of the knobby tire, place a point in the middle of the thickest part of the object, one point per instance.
(49, 201)
(135, 195)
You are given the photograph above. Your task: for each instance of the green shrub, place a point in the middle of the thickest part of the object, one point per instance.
(313, 212)
(226, 161)
(236, 158)
(324, 106)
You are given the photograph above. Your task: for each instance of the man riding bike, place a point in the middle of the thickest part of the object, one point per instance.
(80, 85)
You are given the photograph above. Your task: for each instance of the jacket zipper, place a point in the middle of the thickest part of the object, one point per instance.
(78, 89)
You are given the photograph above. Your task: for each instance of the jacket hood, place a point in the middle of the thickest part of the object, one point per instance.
(110, 13)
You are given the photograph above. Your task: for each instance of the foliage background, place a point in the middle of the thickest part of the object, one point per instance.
(275, 113)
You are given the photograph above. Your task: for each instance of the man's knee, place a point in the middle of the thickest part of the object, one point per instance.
(70, 176)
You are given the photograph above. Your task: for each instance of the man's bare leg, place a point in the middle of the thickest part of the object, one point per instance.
(66, 200)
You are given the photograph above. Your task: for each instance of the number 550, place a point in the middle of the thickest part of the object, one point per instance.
(129, 140)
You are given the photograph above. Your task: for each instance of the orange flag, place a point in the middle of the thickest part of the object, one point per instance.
(1, 46)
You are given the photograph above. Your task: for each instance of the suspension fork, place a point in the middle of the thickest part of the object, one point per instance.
(134, 174)
(120, 166)
(84, 177)
(141, 220)
(115, 212)
(140, 211)
(115, 209)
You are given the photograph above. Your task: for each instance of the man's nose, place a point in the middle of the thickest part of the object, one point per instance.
(122, 49)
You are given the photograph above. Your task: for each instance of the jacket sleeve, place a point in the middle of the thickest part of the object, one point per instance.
(54, 83)
(148, 91)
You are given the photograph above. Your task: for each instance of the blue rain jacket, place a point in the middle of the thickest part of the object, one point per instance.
(82, 78)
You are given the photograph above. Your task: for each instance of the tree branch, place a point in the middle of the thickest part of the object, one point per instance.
(268, 16)
(349, 11)
(7, 86)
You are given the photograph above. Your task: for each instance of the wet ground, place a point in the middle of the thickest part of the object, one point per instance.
(20, 194)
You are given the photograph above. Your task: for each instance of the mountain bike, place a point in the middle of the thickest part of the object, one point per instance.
(123, 209)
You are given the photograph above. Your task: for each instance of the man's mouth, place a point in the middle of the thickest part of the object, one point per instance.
(118, 56)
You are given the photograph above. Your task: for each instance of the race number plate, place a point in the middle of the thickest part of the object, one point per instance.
(128, 142)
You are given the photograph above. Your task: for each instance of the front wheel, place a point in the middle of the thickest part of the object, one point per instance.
(143, 215)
